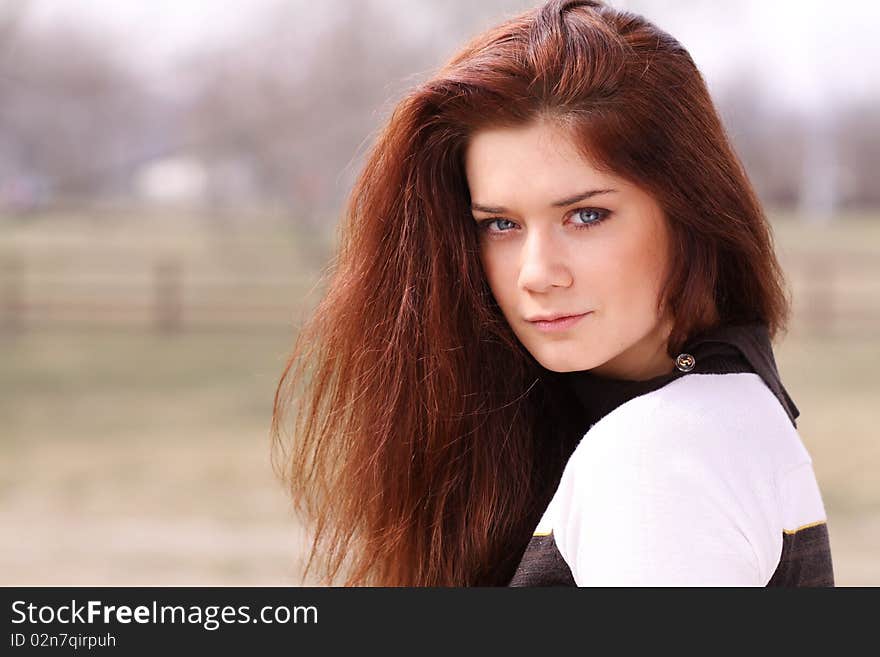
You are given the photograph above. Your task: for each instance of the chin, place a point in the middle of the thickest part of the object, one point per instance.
(564, 363)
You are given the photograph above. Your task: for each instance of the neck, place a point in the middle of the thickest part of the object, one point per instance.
(644, 360)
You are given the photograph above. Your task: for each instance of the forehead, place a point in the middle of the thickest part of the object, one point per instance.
(538, 156)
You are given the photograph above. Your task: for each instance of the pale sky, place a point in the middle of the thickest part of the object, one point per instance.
(157, 28)
(811, 51)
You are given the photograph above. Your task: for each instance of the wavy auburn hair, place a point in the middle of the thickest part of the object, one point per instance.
(426, 440)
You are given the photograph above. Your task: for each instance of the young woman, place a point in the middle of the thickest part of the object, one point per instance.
(544, 354)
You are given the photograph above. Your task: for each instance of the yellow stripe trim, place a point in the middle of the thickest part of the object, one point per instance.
(807, 526)
(543, 533)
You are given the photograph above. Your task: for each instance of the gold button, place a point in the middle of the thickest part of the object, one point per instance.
(685, 362)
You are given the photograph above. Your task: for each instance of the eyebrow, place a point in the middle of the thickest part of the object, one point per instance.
(495, 209)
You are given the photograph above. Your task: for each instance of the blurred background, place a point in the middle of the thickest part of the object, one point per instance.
(171, 174)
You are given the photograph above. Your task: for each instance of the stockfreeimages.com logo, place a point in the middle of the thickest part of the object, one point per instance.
(211, 617)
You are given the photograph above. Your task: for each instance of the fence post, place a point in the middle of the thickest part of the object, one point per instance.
(822, 304)
(168, 302)
(12, 294)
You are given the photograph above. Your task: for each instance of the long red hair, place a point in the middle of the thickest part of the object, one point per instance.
(426, 440)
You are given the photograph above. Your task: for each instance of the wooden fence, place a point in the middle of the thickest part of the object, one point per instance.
(834, 295)
(169, 295)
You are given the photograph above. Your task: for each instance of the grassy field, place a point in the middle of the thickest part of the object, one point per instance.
(134, 458)
(131, 457)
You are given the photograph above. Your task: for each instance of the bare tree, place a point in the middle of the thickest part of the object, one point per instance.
(72, 113)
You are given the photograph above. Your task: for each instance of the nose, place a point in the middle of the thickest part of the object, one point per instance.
(542, 263)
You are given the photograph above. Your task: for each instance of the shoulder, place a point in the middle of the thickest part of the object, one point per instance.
(684, 475)
(728, 420)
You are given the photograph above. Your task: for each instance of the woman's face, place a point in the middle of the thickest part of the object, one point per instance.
(558, 237)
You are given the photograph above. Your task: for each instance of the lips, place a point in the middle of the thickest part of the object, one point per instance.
(552, 317)
(560, 323)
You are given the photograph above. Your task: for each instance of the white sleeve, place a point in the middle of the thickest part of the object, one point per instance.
(652, 498)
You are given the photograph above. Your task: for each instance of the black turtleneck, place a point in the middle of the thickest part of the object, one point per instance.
(721, 350)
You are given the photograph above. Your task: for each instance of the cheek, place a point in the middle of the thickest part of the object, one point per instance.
(657, 258)
(499, 274)
(630, 272)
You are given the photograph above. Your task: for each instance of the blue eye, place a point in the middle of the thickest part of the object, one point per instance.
(589, 218)
(598, 216)
(498, 221)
